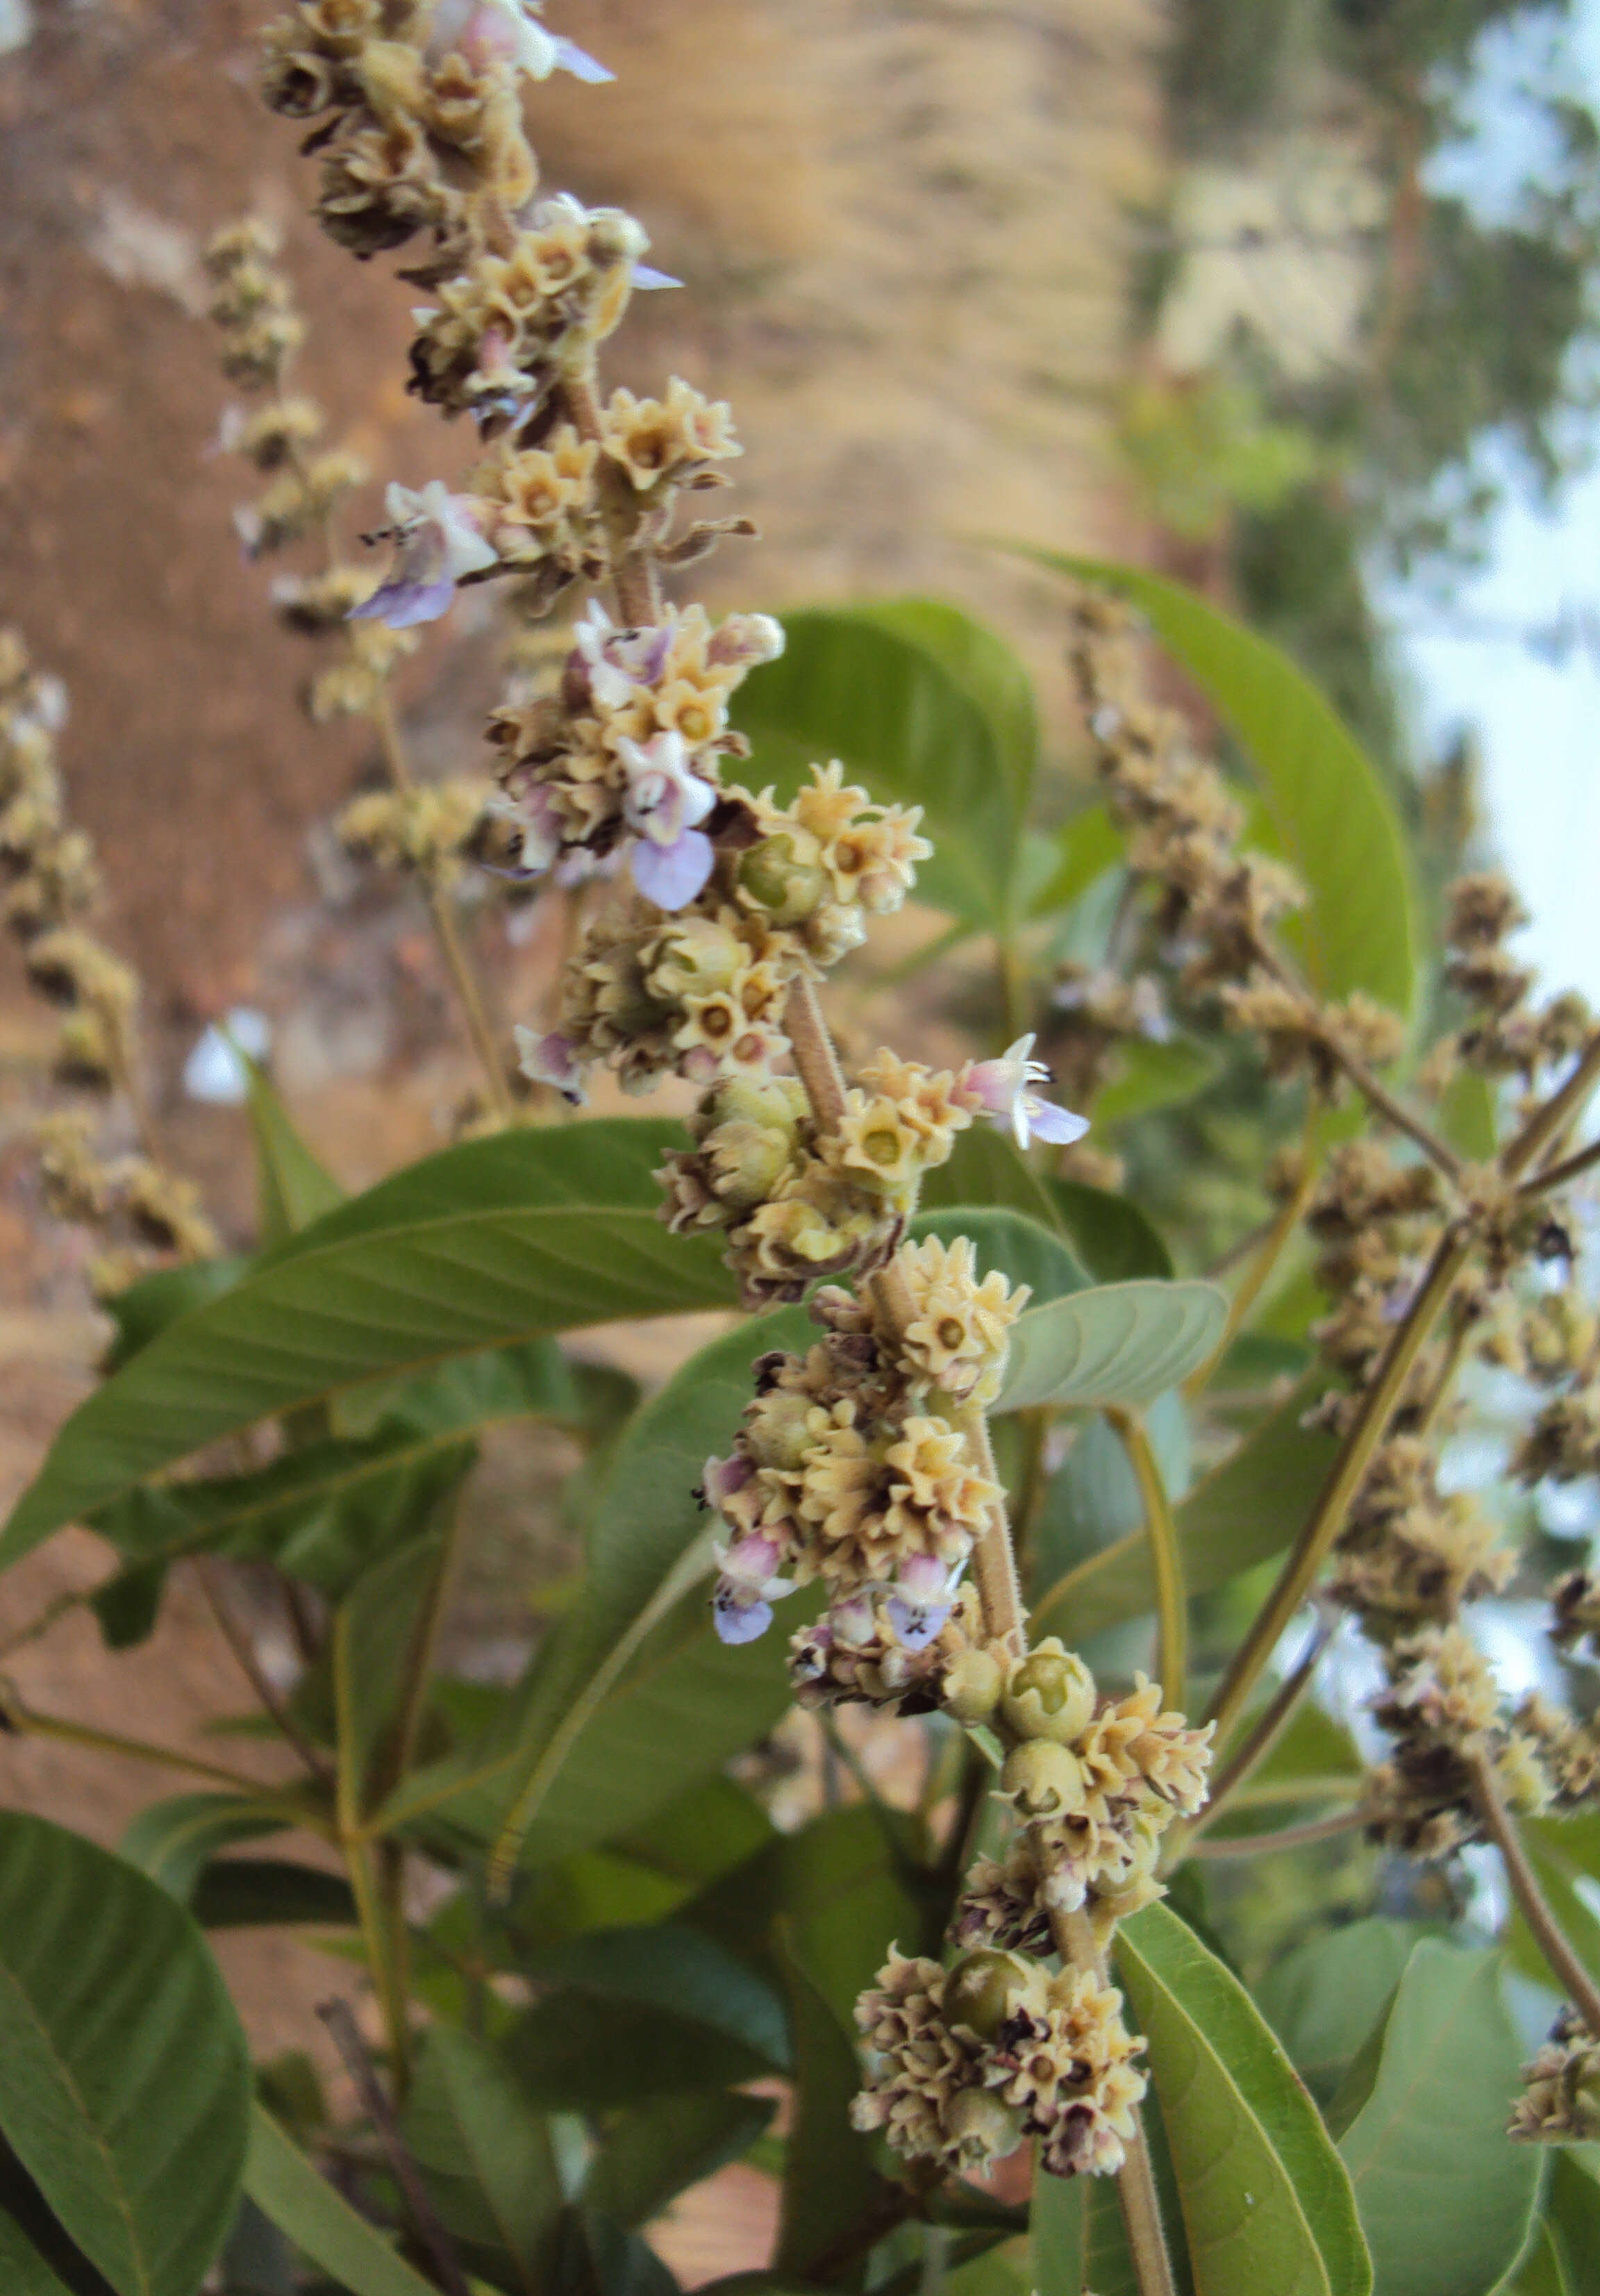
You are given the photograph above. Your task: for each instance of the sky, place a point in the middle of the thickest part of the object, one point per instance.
(1538, 720)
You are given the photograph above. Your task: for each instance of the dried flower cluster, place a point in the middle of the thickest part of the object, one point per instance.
(966, 2062)
(140, 1209)
(1560, 2104)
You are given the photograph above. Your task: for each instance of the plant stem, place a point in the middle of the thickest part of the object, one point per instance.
(1556, 1176)
(1171, 1659)
(1547, 1123)
(1344, 1478)
(447, 931)
(430, 2231)
(1142, 2218)
(633, 573)
(1548, 1935)
(239, 1642)
(420, 1659)
(814, 1055)
(994, 1558)
(1263, 1737)
(1254, 1279)
(1287, 1837)
(26, 1723)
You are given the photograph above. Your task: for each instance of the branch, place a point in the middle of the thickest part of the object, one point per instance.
(1547, 1123)
(1263, 1737)
(1344, 1478)
(1165, 1553)
(1286, 1837)
(239, 1642)
(1548, 1935)
(431, 2233)
(1556, 1176)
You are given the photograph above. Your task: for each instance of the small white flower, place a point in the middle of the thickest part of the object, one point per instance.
(438, 541)
(1003, 1091)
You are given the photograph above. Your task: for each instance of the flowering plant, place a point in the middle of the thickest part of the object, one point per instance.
(946, 1423)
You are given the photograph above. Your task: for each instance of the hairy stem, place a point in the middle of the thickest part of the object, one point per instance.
(1142, 2220)
(1344, 1479)
(447, 931)
(1263, 1737)
(814, 1054)
(14, 1716)
(1556, 1176)
(1172, 1658)
(421, 1658)
(994, 1558)
(1547, 1123)
(1286, 1837)
(1548, 1935)
(239, 1642)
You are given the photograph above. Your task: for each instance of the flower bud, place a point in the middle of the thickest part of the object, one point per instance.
(1050, 1694)
(779, 881)
(777, 1433)
(747, 1161)
(774, 1102)
(973, 1683)
(978, 1991)
(982, 2126)
(1042, 1778)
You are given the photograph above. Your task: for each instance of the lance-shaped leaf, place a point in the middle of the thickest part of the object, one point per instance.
(1445, 2200)
(294, 1187)
(173, 1841)
(851, 685)
(1117, 1343)
(833, 2192)
(655, 2152)
(1334, 819)
(486, 2155)
(319, 2221)
(1266, 2201)
(493, 1241)
(124, 2077)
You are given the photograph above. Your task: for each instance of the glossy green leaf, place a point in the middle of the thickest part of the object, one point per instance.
(1110, 1233)
(1445, 2201)
(653, 2153)
(1245, 1510)
(1266, 2201)
(294, 1187)
(831, 2187)
(983, 665)
(147, 1307)
(173, 1841)
(671, 1967)
(23, 2271)
(497, 1241)
(849, 686)
(124, 2078)
(320, 2222)
(985, 1167)
(485, 2154)
(328, 1509)
(1117, 1343)
(1022, 1250)
(1333, 817)
(1324, 1998)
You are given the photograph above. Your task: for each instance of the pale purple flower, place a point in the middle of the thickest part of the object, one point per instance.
(920, 1599)
(852, 1621)
(551, 1059)
(1003, 1091)
(438, 541)
(723, 1477)
(747, 639)
(750, 1584)
(535, 822)
(673, 857)
(647, 276)
(508, 32)
(613, 660)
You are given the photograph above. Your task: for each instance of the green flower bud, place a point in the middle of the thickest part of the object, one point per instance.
(980, 1990)
(780, 881)
(776, 1434)
(1050, 1694)
(982, 2125)
(973, 1683)
(1042, 1778)
(746, 1162)
(776, 1103)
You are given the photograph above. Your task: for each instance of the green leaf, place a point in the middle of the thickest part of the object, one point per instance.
(1118, 1343)
(1058, 2233)
(597, 2257)
(1151, 1076)
(147, 1307)
(1444, 2199)
(849, 687)
(23, 2271)
(293, 1188)
(319, 2221)
(124, 2078)
(980, 661)
(241, 1893)
(1572, 2219)
(496, 1240)
(1083, 849)
(1093, 1500)
(1332, 813)
(831, 2188)
(597, 1752)
(1023, 1250)
(127, 1607)
(663, 2147)
(1113, 1237)
(985, 1167)
(1324, 1998)
(1566, 1854)
(373, 1646)
(670, 1967)
(1245, 1510)
(329, 1509)
(173, 1841)
(579, 2052)
(1266, 2201)
(486, 2155)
